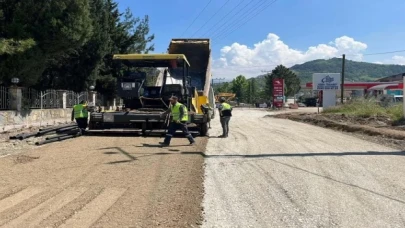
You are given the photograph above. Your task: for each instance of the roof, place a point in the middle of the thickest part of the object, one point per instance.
(155, 60)
(396, 77)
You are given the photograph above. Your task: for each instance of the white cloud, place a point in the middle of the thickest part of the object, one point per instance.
(265, 55)
(398, 60)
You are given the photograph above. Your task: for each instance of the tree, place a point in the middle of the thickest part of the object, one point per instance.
(68, 44)
(251, 91)
(45, 30)
(239, 86)
(291, 80)
(225, 87)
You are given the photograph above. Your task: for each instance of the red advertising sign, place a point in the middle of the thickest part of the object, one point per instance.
(278, 92)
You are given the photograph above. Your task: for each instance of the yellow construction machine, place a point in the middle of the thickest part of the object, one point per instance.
(177, 76)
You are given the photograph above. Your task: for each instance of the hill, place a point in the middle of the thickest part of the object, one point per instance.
(354, 71)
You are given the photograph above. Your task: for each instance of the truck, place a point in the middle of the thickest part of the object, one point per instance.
(185, 72)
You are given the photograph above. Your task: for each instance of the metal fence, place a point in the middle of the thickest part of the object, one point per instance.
(47, 99)
(4, 98)
(73, 98)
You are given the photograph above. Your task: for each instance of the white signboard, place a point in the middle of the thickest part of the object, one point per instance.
(326, 81)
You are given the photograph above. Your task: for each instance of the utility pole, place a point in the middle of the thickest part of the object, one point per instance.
(343, 79)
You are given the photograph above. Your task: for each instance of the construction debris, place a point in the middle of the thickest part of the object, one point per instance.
(57, 134)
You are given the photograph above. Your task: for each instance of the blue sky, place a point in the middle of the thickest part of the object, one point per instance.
(298, 23)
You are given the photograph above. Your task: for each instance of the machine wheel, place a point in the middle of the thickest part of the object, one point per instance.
(203, 129)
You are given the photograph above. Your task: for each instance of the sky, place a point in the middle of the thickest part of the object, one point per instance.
(252, 36)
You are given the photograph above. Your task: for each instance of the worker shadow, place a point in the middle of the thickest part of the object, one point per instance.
(160, 146)
(130, 157)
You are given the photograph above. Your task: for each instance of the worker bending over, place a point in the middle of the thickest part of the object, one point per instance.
(179, 121)
(80, 114)
(225, 113)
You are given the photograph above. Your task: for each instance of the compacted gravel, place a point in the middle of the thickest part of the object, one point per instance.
(99, 181)
(279, 173)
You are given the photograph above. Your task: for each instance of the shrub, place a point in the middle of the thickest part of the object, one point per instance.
(367, 108)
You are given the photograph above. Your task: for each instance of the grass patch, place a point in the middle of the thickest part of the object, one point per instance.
(367, 108)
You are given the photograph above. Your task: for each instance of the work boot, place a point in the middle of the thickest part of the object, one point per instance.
(192, 143)
(163, 144)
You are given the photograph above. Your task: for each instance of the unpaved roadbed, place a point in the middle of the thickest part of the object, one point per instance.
(275, 172)
(374, 129)
(103, 182)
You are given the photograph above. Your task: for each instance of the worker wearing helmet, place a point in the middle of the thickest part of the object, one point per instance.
(80, 114)
(179, 121)
(225, 113)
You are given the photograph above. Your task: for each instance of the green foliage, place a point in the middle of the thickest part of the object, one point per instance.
(239, 87)
(251, 93)
(11, 46)
(354, 71)
(291, 80)
(225, 87)
(367, 108)
(67, 44)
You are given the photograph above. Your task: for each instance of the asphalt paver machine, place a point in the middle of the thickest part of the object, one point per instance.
(143, 105)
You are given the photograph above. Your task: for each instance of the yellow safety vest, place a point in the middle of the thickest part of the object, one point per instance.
(85, 112)
(226, 106)
(78, 111)
(176, 112)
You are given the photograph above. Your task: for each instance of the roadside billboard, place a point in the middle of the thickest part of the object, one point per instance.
(326, 81)
(278, 92)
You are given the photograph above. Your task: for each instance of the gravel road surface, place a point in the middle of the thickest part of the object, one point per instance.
(279, 173)
(103, 182)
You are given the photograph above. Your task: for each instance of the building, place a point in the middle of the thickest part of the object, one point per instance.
(392, 78)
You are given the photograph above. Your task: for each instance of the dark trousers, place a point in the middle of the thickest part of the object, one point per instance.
(81, 123)
(172, 130)
(225, 125)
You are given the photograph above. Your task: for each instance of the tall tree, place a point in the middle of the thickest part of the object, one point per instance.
(291, 80)
(56, 27)
(251, 91)
(239, 86)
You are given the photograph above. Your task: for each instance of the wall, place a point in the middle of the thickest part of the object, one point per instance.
(23, 119)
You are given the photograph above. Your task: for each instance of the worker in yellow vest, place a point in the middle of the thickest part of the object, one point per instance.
(80, 114)
(225, 114)
(179, 121)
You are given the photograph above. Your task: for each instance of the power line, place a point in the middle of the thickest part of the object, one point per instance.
(196, 17)
(211, 17)
(241, 18)
(383, 53)
(218, 28)
(247, 20)
(224, 16)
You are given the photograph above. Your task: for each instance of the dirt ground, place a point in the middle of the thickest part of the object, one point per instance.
(378, 129)
(102, 181)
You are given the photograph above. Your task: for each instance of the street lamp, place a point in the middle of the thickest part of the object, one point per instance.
(92, 92)
(15, 81)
